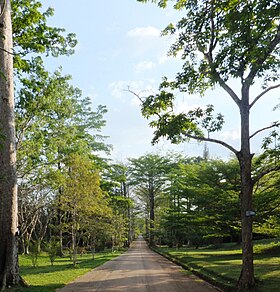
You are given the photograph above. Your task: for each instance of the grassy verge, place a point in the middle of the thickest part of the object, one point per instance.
(222, 266)
(46, 278)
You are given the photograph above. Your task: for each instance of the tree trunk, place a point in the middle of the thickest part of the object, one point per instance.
(147, 225)
(43, 231)
(152, 214)
(60, 214)
(8, 181)
(246, 279)
(74, 245)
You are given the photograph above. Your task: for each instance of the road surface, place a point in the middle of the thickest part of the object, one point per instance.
(138, 270)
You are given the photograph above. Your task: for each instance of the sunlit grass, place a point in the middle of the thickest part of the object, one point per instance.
(223, 265)
(45, 277)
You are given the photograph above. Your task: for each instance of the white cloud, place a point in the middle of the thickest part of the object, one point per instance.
(147, 40)
(232, 135)
(145, 65)
(183, 106)
(143, 32)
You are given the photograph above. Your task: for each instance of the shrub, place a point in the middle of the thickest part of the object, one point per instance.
(34, 248)
(53, 250)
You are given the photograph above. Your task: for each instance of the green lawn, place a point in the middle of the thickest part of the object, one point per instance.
(222, 266)
(46, 278)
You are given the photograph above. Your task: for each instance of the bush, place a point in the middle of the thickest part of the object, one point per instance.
(34, 248)
(53, 250)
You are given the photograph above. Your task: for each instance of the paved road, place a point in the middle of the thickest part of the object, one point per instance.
(138, 270)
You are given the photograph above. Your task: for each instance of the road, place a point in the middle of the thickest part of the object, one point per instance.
(138, 270)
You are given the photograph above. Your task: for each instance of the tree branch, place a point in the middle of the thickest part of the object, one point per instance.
(232, 94)
(222, 83)
(191, 136)
(276, 124)
(4, 50)
(263, 93)
(213, 141)
(265, 172)
(135, 94)
(209, 57)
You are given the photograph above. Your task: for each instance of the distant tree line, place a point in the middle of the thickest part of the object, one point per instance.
(196, 201)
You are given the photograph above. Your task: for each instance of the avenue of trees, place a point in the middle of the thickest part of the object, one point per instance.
(64, 193)
(221, 41)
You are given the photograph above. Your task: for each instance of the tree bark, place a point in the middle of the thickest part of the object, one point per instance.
(152, 213)
(9, 275)
(60, 213)
(246, 279)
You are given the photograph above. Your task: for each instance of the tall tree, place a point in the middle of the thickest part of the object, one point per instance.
(9, 274)
(53, 120)
(29, 24)
(221, 40)
(82, 198)
(148, 175)
(197, 194)
(116, 184)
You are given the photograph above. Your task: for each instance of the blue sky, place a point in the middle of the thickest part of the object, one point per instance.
(119, 45)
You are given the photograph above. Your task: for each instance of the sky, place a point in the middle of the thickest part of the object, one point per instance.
(120, 47)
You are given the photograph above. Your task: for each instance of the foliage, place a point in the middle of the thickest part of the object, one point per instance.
(53, 250)
(200, 204)
(116, 182)
(271, 248)
(203, 203)
(82, 200)
(214, 49)
(53, 120)
(34, 37)
(266, 200)
(148, 175)
(68, 190)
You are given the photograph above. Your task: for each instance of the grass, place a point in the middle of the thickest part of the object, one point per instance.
(46, 278)
(222, 266)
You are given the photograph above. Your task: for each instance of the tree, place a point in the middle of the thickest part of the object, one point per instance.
(8, 188)
(53, 120)
(197, 193)
(148, 175)
(217, 187)
(221, 41)
(266, 191)
(82, 198)
(9, 274)
(116, 185)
